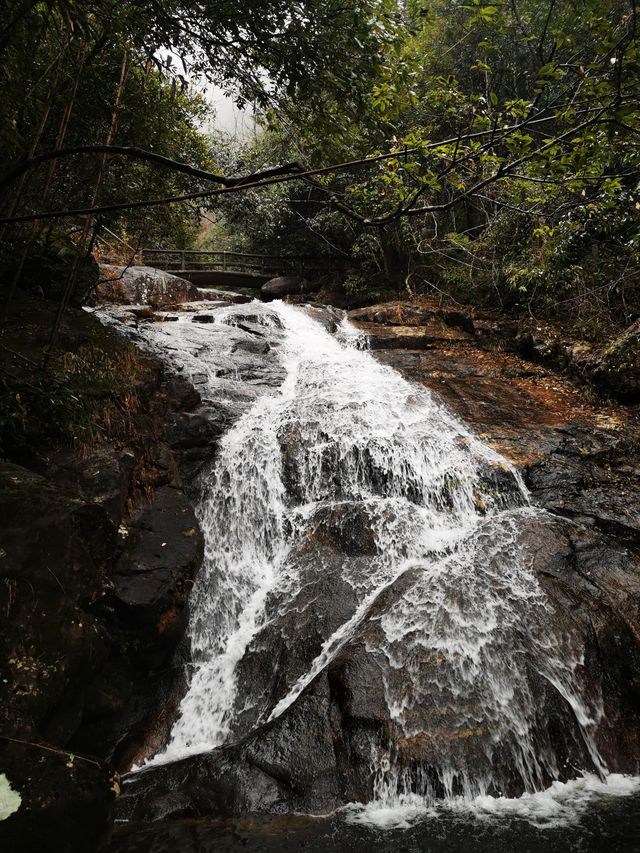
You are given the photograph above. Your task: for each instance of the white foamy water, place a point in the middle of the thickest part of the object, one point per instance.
(561, 804)
(466, 630)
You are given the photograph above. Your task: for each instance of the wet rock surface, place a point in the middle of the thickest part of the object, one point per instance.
(152, 578)
(580, 463)
(613, 370)
(316, 756)
(118, 618)
(578, 460)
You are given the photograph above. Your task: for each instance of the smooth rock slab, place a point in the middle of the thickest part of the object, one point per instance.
(144, 286)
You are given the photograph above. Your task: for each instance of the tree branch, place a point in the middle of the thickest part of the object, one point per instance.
(503, 171)
(281, 174)
(141, 154)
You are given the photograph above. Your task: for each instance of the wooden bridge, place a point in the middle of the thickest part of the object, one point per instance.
(212, 269)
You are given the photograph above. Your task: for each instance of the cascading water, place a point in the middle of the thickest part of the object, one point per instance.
(464, 630)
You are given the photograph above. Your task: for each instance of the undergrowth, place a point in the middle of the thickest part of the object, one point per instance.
(83, 398)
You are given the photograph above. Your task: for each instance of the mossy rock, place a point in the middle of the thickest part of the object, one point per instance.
(617, 371)
(624, 352)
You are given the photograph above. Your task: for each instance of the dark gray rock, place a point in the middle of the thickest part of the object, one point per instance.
(180, 393)
(230, 297)
(193, 436)
(286, 285)
(55, 554)
(101, 478)
(153, 577)
(189, 430)
(67, 800)
(269, 772)
(327, 316)
(257, 345)
(316, 756)
(583, 480)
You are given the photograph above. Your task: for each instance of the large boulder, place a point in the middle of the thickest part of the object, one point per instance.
(144, 286)
(285, 285)
(289, 767)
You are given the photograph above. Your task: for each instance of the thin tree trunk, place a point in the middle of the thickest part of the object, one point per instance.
(81, 252)
(15, 201)
(62, 132)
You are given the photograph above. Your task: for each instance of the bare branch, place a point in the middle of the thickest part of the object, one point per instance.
(140, 154)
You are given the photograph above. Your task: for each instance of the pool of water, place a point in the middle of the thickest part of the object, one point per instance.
(602, 824)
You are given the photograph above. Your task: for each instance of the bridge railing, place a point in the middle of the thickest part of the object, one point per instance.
(183, 260)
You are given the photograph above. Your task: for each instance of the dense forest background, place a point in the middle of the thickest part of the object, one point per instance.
(494, 146)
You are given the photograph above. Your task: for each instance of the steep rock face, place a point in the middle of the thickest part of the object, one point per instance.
(580, 463)
(56, 554)
(317, 756)
(151, 577)
(97, 554)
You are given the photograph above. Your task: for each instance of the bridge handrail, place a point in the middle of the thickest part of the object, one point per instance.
(227, 253)
(193, 260)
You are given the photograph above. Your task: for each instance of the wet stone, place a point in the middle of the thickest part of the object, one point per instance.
(382, 612)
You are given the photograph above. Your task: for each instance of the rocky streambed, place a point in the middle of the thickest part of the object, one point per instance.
(418, 582)
(311, 724)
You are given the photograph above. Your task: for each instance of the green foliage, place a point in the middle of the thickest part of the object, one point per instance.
(283, 219)
(624, 352)
(86, 396)
(511, 135)
(79, 73)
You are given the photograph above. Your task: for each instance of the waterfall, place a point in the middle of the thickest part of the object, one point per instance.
(467, 631)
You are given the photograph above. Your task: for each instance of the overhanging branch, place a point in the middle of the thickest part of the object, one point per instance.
(504, 171)
(293, 171)
(141, 154)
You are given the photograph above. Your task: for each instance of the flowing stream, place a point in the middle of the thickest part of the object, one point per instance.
(444, 601)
